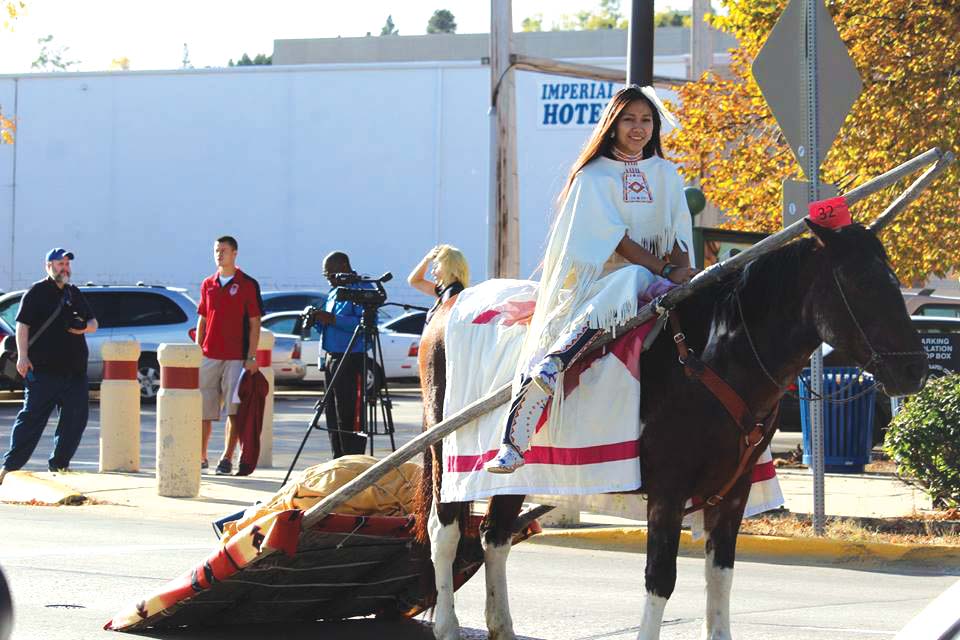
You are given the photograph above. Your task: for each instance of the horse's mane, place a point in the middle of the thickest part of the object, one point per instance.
(768, 281)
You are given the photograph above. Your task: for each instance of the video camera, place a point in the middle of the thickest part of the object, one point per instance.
(369, 298)
(366, 296)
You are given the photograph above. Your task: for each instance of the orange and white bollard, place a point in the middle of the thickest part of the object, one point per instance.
(264, 361)
(179, 412)
(120, 407)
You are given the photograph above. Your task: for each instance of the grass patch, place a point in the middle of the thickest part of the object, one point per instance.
(936, 528)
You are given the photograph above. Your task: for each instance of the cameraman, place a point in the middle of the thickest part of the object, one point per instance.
(52, 357)
(336, 324)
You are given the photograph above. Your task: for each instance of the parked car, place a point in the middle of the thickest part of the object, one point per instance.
(399, 338)
(298, 300)
(287, 359)
(286, 323)
(152, 315)
(927, 302)
(941, 339)
(274, 301)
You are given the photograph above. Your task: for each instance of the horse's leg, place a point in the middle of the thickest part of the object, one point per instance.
(722, 523)
(496, 536)
(444, 531)
(664, 517)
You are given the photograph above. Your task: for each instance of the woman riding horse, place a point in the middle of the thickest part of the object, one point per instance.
(623, 220)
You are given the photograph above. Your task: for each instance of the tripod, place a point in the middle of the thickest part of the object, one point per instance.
(368, 334)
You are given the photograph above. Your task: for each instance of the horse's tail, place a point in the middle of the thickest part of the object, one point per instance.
(425, 494)
(433, 364)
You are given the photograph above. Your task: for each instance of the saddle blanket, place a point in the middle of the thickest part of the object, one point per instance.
(593, 447)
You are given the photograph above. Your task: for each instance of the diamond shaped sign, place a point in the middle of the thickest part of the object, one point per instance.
(780, 71)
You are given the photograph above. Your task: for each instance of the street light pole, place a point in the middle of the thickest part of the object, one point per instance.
(640, 44)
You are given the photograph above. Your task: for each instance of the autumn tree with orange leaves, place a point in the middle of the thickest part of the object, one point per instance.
(908, 55)
(9, 10)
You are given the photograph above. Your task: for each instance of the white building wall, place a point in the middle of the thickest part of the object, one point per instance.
(138, 173)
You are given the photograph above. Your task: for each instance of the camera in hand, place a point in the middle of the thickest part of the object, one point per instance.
(75, 321)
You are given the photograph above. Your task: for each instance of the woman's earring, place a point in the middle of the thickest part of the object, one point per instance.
(613, 134)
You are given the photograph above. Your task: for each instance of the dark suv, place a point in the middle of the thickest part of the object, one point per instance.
(149, 314)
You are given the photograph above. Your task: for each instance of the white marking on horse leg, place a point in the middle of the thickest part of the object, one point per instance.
(499, 622)
(653, 606)
(716, 622)
(443, 550)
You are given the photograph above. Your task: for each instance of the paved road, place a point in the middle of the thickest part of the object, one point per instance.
(70, 569)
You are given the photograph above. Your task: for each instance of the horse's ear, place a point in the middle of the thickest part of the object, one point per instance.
(823, 235)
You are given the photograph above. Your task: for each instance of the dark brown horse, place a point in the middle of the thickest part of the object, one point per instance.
(757, 330)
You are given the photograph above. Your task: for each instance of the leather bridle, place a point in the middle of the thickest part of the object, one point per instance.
(877, 357)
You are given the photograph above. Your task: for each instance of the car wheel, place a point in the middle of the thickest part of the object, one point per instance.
(148, 375)
(374, 378)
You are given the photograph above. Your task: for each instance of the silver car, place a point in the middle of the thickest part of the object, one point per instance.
(151, 315)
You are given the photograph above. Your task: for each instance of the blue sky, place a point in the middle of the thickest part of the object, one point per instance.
(152, 33)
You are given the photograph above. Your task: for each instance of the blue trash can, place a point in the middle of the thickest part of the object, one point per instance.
(847, 426)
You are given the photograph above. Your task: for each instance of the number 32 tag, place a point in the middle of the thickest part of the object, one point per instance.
(832, 213)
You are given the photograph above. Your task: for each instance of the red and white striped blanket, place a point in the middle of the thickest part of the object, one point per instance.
(593, 448)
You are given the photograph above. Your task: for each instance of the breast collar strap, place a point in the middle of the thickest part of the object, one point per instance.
(754, 431)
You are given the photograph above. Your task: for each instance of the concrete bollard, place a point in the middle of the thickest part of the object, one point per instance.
(120, 407)
(179, 411)
(264, 361)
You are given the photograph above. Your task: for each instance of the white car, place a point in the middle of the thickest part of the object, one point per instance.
(399, 338)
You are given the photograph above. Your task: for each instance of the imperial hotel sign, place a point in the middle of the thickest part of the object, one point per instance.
(572, 104)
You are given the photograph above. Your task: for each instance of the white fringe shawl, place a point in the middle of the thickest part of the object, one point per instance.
(591, 223)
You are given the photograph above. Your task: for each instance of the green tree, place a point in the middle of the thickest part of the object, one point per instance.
(247, 61)
(9, 9)
(442, 21)
(910, 65)
(51, 57)
(672, 18)
(533, 23)
(606, 16)
(389, 29)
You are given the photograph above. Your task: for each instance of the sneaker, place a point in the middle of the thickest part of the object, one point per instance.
(52, 468)
(224, 468)
(545, 374)
(507, 460)
(204, 465)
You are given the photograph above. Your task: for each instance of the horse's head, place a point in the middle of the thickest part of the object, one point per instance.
(857, 308)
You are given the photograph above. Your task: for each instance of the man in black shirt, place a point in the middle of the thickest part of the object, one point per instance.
(52, 353)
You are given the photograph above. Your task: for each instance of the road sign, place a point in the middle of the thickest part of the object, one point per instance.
(779, 70)
(796, 197)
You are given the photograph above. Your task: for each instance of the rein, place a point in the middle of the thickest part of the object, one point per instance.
(754, 431)
(875, 356)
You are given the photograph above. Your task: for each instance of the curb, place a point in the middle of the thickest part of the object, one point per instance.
(767, 547)
(23, 486)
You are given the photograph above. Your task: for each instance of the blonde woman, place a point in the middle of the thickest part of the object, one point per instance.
(450, 272)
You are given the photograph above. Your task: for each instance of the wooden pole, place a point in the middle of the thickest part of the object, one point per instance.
(701, 39)
(576, 70)
(502, 395)
(504, 241)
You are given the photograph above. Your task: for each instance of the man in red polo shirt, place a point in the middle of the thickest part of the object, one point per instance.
(228, 331)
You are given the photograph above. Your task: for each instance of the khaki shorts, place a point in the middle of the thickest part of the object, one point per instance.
(218, 380)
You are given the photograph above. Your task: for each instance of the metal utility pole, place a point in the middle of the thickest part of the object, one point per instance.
(803, 53)
(640, 44)
(504, 217)
(813, 173)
